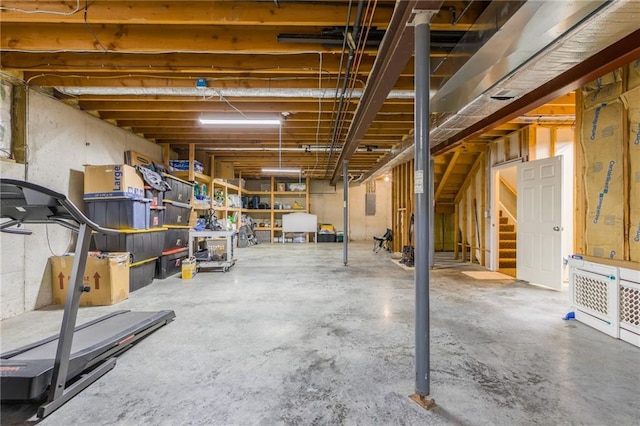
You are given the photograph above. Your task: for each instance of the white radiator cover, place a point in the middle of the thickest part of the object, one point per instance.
(630, 306)
(594, 295)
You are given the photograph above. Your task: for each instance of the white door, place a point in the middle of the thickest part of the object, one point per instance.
(539, 255)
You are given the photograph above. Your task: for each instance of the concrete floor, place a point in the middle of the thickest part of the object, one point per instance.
(289, 336)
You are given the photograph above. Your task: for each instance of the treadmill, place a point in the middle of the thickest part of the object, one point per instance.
(61, 366)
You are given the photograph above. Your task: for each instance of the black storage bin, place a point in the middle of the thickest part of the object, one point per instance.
(141, 273)
(120, 213)
(156, 217)
(181, 190)
(170, 263)
(175, 238)
(141, 244)
(326, 238)
(176, 214)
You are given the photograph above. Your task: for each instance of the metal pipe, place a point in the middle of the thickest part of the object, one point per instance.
(423, 204)
(345, 235)
(347, 73)
(464, 11)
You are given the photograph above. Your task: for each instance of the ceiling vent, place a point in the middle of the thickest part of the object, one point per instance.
(505, 95)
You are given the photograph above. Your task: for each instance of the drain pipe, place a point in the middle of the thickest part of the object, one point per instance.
(347, 74)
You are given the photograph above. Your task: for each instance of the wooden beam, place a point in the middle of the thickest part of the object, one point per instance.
(174, 12)
(445, 176)
(183, 63)
(472, 172)
(287, 125)
(193, 115)
(551, 109)
(154, 39)
(215, 79)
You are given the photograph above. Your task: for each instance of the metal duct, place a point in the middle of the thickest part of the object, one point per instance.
(614, 21)
(226, 93)
(533, 27)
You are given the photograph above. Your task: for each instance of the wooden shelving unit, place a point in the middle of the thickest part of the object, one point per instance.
(192, 176)
(227, 208)
(277, 199)
(280, 201)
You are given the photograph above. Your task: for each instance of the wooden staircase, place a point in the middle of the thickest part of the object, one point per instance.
(507, 247)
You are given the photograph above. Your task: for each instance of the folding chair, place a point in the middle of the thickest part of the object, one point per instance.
(383, 242)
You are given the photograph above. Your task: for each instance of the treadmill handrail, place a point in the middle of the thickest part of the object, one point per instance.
(62, 201)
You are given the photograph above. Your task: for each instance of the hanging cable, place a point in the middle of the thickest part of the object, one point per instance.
(51, 12)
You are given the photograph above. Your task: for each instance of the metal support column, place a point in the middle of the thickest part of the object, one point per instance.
(345, 237)
(423, 206)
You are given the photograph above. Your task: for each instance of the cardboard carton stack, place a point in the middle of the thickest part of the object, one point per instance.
(115, 198)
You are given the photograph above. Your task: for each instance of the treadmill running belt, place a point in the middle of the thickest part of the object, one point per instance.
(25, 373)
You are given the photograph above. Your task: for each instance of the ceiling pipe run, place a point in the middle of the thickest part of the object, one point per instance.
(352, 47)
(395, 51)
(226, 93)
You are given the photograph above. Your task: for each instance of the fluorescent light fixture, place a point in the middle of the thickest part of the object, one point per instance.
(279, 170)
(240, 121)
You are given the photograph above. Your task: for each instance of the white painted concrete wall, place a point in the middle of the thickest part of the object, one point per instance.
(61, 140)
(12, 259)
(327, 201)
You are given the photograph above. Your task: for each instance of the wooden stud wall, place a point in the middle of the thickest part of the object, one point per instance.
(581, 239)
(402, 203)
(470, 205)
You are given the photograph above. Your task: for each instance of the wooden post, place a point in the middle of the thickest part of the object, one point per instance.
(481, 216)
(579, 199)
(464, 226)
(456, 237)
(19, 123)
(192, 159)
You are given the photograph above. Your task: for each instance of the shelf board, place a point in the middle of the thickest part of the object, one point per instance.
(290, 210)
(292, 193)
(257, 210)
(220, 183)
(248, 192)
(199, 177)
(264, 228)
(232, 209)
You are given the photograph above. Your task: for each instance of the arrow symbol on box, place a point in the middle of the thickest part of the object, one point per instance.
(61, 280)
(96, 278)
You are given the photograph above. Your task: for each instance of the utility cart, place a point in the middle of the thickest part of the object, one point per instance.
(219, 249)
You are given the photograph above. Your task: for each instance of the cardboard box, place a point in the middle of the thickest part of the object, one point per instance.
(189, 268)
(134, 158)
(183, 166)
(108, 278)
(110, 181)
